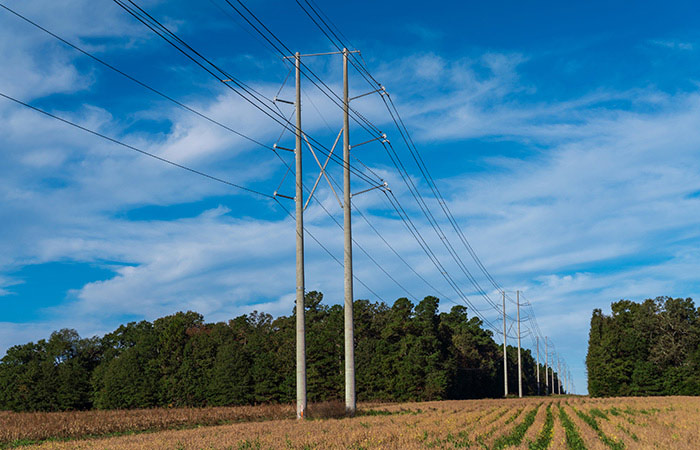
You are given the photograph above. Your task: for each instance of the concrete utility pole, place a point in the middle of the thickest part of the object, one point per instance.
(554, 391)
(520, 370)
(350, 403)
(546, 372)
(558, 376)
(299, 200)
(505, 355)
(565, 381)
(537, 342)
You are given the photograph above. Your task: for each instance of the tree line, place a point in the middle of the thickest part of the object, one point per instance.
(403, 352)
(647, 348)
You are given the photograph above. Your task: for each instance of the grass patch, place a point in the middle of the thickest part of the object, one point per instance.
(459, 441)
(498, 416)
(383, 412)
(246, 445)
(545, 436)
(573, 438)
(590, 420)
(595, 412)
(629, 432)
(480, 439)
(515, 437)
(513, 417)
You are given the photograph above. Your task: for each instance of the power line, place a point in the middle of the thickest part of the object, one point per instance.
(450, 248)
(325, 20)
(379, 266)
(360, 120)
(249, 94)
(135, 80)
(286, 48)
(189, 169)
(131, 147)
(173, 40)
(322, 18)
(111, 67)
(419, 161)
(399, 256)
(394, 157)
(306, 230)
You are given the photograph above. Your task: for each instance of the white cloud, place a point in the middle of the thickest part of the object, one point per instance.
(675, 45)
(35, 64)
(569, 223)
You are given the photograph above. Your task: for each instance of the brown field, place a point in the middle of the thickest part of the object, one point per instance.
(532, 423)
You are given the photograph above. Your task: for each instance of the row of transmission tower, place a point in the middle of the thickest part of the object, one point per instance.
(350, 391)
(556, 388)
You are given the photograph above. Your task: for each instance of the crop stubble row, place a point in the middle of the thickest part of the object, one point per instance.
(668, 422)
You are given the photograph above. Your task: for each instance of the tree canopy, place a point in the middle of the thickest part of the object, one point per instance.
(648, 348)
(403, 352)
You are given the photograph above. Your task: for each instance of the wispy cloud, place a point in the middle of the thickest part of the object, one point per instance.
(675, 45)
(602, 203)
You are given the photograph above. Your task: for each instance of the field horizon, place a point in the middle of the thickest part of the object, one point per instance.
(554, 422)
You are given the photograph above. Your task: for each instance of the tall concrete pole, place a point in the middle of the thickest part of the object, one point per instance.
(350, 402)
(554, 390)
(520, 369)
(558, 376)
(546, 372)
(563, 381)
(505, 355)
(537, 342)
(299, 200)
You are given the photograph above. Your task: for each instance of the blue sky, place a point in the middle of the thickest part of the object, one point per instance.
(564, 138)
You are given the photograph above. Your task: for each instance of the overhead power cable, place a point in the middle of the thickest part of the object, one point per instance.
(332, 32)
(285, 51)
(169, 98)
(418, 159)
(131, 147)
(135, 80)
(317, 19)
(425, 209)
(289, 213)
(410, 267)
(321, 18)
(189, 169)
(273, 36)
(249, 94)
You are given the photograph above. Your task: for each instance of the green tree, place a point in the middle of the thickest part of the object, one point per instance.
(646, 348)
(128, 375)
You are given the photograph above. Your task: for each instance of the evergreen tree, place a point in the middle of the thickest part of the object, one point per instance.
(405, 352)
(128, 375)
(647, 348)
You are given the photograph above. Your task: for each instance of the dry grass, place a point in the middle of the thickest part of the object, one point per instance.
(631, 423)
(37, 426)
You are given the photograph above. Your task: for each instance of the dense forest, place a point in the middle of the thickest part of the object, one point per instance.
(403, 352)
(648, 348)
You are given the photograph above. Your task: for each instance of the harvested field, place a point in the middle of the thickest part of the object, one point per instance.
(532, 423)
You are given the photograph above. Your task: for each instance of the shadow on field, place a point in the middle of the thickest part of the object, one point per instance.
(326, 410)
